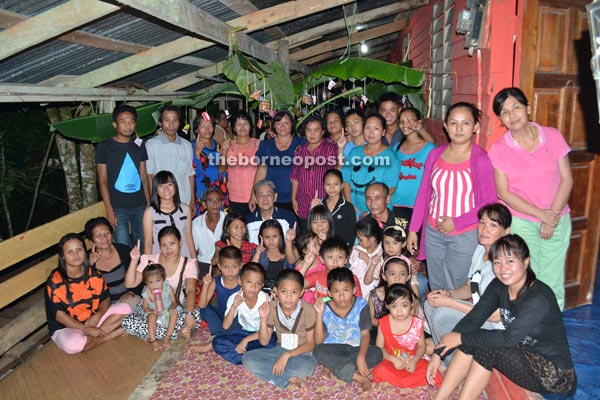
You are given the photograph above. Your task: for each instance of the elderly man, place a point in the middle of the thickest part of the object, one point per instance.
(266, 196)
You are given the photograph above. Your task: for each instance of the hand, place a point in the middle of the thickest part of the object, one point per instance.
(432, 369)
(412, 242)
(112, 218)
(399, 363)
(238, 299)
(93, 331)
(207, 279)
(411, 365)
(319, 306)
(241, 347)
(225, 146)
(252, 203)
(291, 233)
(361, 366)
(126, 296)
(439, 298)
(280, 364)
(445, 225)
(546, 231)
(264, 310)
(376, 260)
(135, 253)
(295, 205)
(309, 258)
(549, 217)
(94, 255)
(190, 321)
(314, 203)
(364, 256)
(341, 142)
(450, 340)
(260, 248)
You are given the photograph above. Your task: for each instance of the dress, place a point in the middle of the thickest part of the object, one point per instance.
(208, 175)
(378, 304)
(163, 318)
(177, 218)
(405, 346)
(359, 268)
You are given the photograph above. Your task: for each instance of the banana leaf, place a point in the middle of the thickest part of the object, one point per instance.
(200, 101)
(96, 128)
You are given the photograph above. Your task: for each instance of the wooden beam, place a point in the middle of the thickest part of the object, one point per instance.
(243, 7)
(52, 23)
(354, 50)
(329, 45)
(22, 326)
(191, 78)
(28, 280)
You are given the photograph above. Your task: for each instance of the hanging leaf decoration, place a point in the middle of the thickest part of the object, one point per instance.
(202, 99)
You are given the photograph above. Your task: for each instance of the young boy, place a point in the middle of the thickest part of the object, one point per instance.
(229, 263)
(342, 331)
(122, 178)
(244, 306)
(334, 254)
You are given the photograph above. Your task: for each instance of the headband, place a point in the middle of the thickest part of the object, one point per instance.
(396, 228)
(402, 258)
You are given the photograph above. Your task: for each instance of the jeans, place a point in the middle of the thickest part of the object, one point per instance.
(214, 319)
(260, 363)
(125, 218)
(423, 282)
(224, 345)
(341, 358)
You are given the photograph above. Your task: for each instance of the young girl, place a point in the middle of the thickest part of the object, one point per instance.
(270, 253)
(320, 222)
(154, 277)
(412, 153)
(234, 234)
(167, 209)
(307, 178)
(458, 180)
(342, 211)
(291, 361)
(307, 244)
(367, 257)
(400, 336)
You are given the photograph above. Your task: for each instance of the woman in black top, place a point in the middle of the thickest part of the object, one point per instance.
(532, 351)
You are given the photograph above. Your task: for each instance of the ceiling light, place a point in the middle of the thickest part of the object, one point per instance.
(363, 47)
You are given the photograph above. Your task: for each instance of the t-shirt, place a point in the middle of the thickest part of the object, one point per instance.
(347, 330)
(411, 173)
(305, 322)
(241, 173)
(174, 157)
(278, 171)
(122, 160)
(190, 270)
(254, 220)
(249, 318)
(79, 297)
(360, 170)
(204, 238)
(317, 282)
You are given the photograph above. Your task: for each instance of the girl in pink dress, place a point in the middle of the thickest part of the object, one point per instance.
(401, 338)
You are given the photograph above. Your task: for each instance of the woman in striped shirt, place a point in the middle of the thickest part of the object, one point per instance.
(457, 181)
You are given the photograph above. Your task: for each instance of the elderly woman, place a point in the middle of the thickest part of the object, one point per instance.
(272, 153)
(532, 350)
(110, 260)
(209, 172)
(78, 307)
(182, 276)
(533, 178)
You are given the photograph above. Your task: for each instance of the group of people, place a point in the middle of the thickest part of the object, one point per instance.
(321, 259)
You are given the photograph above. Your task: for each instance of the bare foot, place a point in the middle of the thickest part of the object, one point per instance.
(156, 346)
(167, 342)
(184, 333)
(365, 382)
(199, 349)
(300, 382)
(326, 373)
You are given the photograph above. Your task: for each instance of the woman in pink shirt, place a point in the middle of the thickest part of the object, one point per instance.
(241, 165)
(458, 180)
(533, 178)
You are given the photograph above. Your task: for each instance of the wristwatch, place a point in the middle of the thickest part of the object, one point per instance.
(190, 313)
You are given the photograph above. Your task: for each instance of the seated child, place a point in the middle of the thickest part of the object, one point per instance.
(154, 277)
(270, 253)
(334, 254)
(400, 336)
(291, 361)
(230, 262)
(307, 244)
(234, 234)
(366, 259)
(244, 306)
(342, 331)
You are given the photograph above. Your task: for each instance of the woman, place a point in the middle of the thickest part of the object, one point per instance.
(532, 351)
(166, 209)
(334, 127)
(78, 308)
(533, 178)
(209, 171)
(182, 276)
(241, 173)
(111, 261)
(368, 163)
(272, 152)
(444, 308)
(458, 181)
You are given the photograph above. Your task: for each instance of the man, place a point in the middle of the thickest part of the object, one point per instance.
(222, 127)
(121, 166)
(170, 152)
(390, 106)
(208, 227)
(377, 197)
(266, 196)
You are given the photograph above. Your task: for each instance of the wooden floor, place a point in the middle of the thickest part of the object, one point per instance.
(111, 371)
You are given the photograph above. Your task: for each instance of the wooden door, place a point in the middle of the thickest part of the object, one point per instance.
(556, 76)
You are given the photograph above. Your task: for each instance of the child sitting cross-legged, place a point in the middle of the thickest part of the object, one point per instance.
(291, 361)
(342, 331)
(165, 314)
(243, 306)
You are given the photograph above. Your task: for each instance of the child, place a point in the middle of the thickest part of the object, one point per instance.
(291, 361)
(394, 244)
(367, 257)
(320, 222)
(307, 244)
(342, 331)
(307, 177)
(234, 234)
(270, 253)
(334, 254)
(154, 277)
(244, 306)
(400, 335)
(230, 262)
(342, 211)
